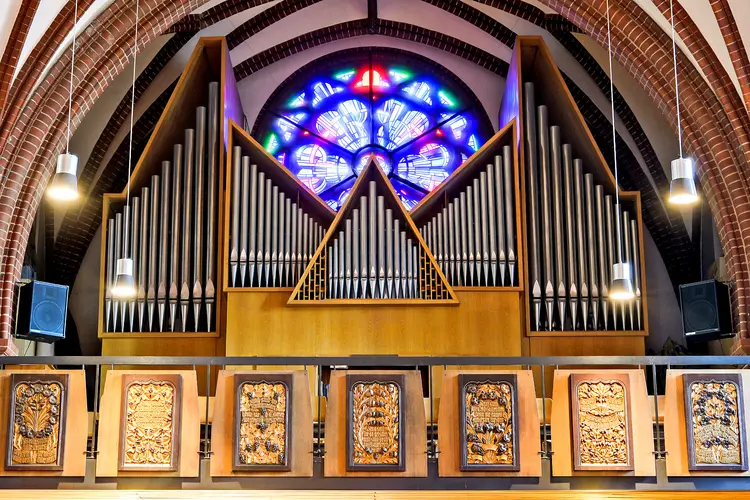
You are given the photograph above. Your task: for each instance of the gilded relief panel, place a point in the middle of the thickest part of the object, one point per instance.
(375, 414)
(715, 422)
(36, 432)
(602, 436)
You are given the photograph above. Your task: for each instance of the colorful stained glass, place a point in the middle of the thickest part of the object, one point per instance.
(418, 128)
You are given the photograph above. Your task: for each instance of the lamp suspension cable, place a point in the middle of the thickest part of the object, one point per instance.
(132, 105)
(676, 82)
(614, 137)
(72, 67)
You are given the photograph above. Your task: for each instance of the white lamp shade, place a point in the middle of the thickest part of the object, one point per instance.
(64, 185)
(124, 282)
(622, 283)
(682, 190)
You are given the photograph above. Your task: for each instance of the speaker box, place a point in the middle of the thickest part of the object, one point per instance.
(706, 313)
(42, 312)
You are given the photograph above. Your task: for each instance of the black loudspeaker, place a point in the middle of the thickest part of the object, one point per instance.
(706, 313)
(42, 312)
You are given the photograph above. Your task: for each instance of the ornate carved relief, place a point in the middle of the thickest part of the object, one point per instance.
(36, 432)
(262, 433)
(715, 417)
(150, 422)
(374, 428)
(488, 422)
(602, 435)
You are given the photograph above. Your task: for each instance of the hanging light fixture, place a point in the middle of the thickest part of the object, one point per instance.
(682, 189)
(125, 282)
(64, 185)
(621, 287)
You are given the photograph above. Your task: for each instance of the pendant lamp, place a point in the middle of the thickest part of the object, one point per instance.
(125, 282)
(621, 287)
(682, 189)
(64, 185)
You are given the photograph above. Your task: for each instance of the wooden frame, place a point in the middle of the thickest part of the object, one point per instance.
(464, 380)
(531, 60)
(60, 414)
(351, 381)
(285, 379)
(576, 380)
(172, 380)
(689, 379)
(209, 61)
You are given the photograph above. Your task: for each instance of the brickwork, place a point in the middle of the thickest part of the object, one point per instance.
(17, 37)
(734, 44)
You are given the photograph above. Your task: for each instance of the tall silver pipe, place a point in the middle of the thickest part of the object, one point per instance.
(636, 272)
(470, 234)
(532, 195)
(581, 250)
(261, 241)
(110, 272)
(389, 252)
(198, 233)
(243, 216)
(236, 257)
(446, 243)
(492, 224)
(164, 269)
(153, 250)
(464, 219)
(484, 226)
(293, 218)
(305, 239)
(372, 212)
(381, 246)
(499, 203)
(315, 237)
(547, 227)
(601, 253)
(174, 247)
(135, 228)
(187, 226)
(403, 259)
(610, 240)
(143, 255)
(561, 291)
(288, 211)
(476, 202)
(212, 200)
(570, 233)
(510, 212)
(348, 255)
(438, 235)
(300, 241)
(333, 268)
(416, 293)
(451, 242)
(363, 248)
(274, 232)
(430, 243)
(626, 244)
(342, 265)
(252, 237)
(409, 270)
(457, 238)
(396, 256)
(355, 252)
(118, 255)
(269, 227)
(591, 230)
(282, 230)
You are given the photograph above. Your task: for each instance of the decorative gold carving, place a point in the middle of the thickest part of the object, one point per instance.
(715, 422)
(374, 433)
(36, 423)
(601, 424)
(150, 425)
(488, 424)
(263, 420)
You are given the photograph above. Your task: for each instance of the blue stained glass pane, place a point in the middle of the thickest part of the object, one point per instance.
(401, 123)
(409, 196)
(419, 90)
(427, 167)
(474, 142)
(318, 168)
(457, 126)
(337, 195)
(347, 125)
(298, 101)
(322, 90)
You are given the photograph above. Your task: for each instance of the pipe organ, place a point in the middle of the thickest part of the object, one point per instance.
(170, 232)
(572, 235)
(272, 236)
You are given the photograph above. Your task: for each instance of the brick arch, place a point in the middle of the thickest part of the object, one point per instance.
(37, 134)
(641, 47)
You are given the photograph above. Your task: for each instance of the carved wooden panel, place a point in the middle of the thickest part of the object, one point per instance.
(262, 434)
(150, 422)
(715, 418)
(36, 425)
(374, 425)
(488, 420)
(602, 434)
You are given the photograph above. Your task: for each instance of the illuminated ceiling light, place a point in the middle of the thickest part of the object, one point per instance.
(682, 190)
(64, 185)
(124, 287)
(621, 288)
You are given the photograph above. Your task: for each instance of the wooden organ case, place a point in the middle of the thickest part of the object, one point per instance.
(451, 278)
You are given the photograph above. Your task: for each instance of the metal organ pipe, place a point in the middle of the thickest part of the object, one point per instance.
(200, 157)
(531, 148)
(570, 233)
(236, 257)
(510, 212)
(591, 247)
(164, 269)
(187, 227)
(211, 200)
(547, 229)
(175, 236)
(143, 256)
(559, 283)
(581, 250)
